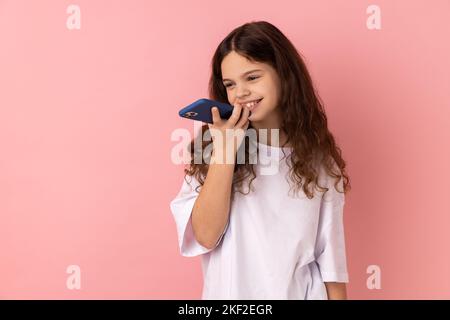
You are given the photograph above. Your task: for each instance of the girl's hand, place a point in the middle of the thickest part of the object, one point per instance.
(223, 131)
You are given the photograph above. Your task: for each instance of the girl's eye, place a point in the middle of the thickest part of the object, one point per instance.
(249, 78)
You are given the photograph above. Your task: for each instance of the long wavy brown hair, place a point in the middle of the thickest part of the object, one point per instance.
(303, 115)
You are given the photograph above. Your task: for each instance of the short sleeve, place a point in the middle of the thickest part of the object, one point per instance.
(181, 208)
(330, 243)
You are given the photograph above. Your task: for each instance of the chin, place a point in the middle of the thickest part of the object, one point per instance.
(254, 118)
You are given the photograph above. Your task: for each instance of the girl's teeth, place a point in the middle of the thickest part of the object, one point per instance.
(252, 104)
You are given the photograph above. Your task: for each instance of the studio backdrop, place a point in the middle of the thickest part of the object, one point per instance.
(89, 99)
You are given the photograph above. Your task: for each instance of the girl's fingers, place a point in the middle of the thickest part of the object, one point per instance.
(244, 118)
(215, 115)
(235, 115)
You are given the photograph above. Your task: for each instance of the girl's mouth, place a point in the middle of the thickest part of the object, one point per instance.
(252, 105)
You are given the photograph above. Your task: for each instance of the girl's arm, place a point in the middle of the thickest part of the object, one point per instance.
(336, 290)
(211, 209)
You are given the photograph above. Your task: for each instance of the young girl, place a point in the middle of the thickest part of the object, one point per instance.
(266, 243)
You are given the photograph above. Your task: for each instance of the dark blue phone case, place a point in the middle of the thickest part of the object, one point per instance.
(200, 110)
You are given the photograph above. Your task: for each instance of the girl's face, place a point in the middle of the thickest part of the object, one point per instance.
(244, 85)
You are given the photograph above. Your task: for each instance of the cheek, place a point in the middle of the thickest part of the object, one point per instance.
(273, 98)
(230, 97)
(268, 90)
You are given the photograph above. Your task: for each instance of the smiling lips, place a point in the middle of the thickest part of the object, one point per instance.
(251, 105)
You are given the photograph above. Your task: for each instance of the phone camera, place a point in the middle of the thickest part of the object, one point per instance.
(190, 114)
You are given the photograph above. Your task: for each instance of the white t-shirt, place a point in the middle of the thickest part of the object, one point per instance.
(276, 245)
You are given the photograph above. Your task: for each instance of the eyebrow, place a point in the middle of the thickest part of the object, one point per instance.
(245, 73)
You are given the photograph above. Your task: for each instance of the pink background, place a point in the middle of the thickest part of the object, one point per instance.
(86, 118)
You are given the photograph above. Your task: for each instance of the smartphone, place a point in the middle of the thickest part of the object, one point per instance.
(200, 110)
